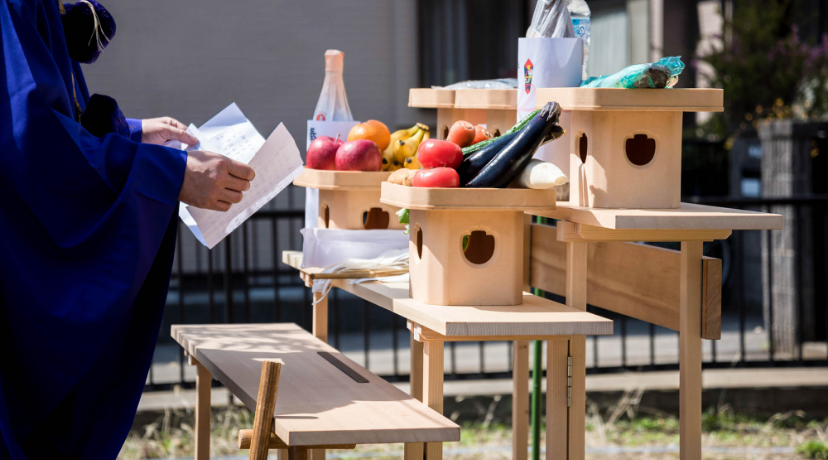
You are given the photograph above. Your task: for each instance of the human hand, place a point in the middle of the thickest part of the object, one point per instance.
(213, 181)
(160, 130)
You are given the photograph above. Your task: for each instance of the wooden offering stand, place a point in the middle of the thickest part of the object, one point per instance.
(467, 245)
(350, 200)
(495, 108)
(625, 175)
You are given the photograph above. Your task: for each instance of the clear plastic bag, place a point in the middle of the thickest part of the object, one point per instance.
(500, 83)
(551, 20)
(661, 74)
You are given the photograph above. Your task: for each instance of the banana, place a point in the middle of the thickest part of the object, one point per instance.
(413, 163)
(387, 159)
(426, 136)
(394, 166)
(403, 134)
(408, 147)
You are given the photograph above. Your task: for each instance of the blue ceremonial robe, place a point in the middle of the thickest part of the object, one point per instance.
(87, 231)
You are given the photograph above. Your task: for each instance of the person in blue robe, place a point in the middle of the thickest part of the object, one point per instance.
(88, 225)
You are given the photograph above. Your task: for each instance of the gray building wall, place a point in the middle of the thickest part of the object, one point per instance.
(189, 59)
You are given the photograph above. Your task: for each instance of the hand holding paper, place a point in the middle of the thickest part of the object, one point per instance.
(244, 154)
(213, 181)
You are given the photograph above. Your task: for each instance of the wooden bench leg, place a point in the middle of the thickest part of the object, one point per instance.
(520, 399)
(690, 351)
(414, 450)
(265, 405)
(433, 389)
(202, 412)
(298, 453)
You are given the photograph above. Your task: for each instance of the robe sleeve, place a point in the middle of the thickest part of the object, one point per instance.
(135, 130)
(81, 226)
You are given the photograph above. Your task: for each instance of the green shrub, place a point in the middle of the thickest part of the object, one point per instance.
(813, 449)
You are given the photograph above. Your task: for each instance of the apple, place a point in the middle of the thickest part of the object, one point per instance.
(359, 155)
(322, 153)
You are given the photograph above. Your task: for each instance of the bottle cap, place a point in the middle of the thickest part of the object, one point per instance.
(334, 60)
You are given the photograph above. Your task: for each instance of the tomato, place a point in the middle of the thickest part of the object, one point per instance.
(436, 178)
(435, 154)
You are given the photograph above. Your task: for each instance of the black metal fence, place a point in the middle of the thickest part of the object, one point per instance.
(773, 302)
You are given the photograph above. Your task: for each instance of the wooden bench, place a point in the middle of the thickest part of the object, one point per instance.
(325, 400)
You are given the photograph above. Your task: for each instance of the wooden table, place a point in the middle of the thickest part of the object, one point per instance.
(689, 224)
(433, 325)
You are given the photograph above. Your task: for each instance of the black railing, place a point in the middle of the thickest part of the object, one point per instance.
(243, 280)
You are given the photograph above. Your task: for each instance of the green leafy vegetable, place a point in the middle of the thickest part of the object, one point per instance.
(404, 215)
(473, 148)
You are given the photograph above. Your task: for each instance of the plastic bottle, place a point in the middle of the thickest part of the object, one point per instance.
(579, 11)
(333, 102)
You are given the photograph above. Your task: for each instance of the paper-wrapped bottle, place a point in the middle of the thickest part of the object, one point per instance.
(332, 117)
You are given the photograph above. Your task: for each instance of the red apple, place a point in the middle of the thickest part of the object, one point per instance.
(322, 153)
(359, 155)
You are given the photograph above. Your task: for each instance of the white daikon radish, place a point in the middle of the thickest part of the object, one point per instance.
(540, 174)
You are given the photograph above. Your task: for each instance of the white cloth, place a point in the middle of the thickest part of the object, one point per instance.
(394, 258)
(324, 247)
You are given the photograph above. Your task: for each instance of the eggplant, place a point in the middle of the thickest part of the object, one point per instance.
(513, 157)
(474, 163)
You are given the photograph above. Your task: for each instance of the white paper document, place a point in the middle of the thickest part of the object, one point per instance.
(276, 162)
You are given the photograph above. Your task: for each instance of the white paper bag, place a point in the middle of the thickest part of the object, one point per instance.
(316, 129)
(324, 247)
(548, 63)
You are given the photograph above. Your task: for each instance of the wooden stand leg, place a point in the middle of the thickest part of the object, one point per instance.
(414, 450)
(520, 399)
(320, 331)
(320, 317)
(433, 389)
(282, 454)
(690, 351)
(202, 412)
(557, 412)
(577, 406)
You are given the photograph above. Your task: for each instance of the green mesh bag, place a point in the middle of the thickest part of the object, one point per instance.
(661, 74)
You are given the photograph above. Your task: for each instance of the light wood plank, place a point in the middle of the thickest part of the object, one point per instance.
(538, 317)
(341, 180)
(265, 404)
(527, 252)
(636, 280)
(469, 199)
(430, 98)
(424, 334)
(687, 217)
(520, 399)
(557, 412)
(570, 232)
(202, 412)
(577, 408)
(690, 352)
(320, 317)
(616, 99)
(491, 99)
(433, 390)
(350, 412)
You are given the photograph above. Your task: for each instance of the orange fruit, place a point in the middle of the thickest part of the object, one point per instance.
(371, 130)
